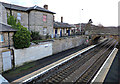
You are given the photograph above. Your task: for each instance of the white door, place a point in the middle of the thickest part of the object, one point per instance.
(7, 63)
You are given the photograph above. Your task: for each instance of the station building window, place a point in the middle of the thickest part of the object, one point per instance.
(44, 30)
(1, 38)
(44, 18)
(19, 16)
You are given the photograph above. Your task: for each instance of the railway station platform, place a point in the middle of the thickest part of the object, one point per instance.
(105, 75)
(113, 75)
(51, 66)
(64, 59)
(28, 68)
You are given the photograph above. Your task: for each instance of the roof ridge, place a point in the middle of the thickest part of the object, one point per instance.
(13, 4)
(35, 6)
(22, 8)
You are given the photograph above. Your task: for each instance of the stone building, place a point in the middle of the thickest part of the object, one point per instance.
(34, 18)
(3, 15)
(62, 29)
(80, 28)
(6, 33)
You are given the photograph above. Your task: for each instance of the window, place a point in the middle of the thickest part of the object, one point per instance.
(1, 38)
(44, 18)
(44, 31)
(19, 16)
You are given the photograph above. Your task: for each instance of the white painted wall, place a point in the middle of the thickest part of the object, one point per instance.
(32, 53)
(45, 49)
(1, 62)
(7, 64)
(3, 80)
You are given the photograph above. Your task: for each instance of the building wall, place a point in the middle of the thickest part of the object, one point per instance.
(24, 16)
(64, 31)
(35, 20)
(5, 35)
(3, 15)
(1, 60)
(67, 43)
(37, 24)
(32, 53)
(58, 31)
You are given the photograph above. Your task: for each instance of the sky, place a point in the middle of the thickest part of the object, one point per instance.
(103, 12)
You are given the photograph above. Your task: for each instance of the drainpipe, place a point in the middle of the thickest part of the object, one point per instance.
(74, 31)
(10, 10)
(8, 40)
(28, 22)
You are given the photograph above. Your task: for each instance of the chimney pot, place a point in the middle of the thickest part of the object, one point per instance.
(62, 19)
(46, 7)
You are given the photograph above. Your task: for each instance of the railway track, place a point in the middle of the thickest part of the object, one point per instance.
(79, 68)
(89, 74)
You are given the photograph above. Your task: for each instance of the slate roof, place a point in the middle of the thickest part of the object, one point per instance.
(82, 25)
(6, 28)
(62, 25)
(39, 9)
(14, 7)
(25, 9)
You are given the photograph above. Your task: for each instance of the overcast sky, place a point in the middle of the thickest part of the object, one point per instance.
(103, 12)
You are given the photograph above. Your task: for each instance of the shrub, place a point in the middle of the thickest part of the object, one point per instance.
(22, 39)
(35, 35)
(47, 36)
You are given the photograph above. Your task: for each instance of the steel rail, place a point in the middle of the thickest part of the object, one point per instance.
(65, 69)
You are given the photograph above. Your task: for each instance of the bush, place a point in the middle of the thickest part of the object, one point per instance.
(37, 41)
(35, 35)
(48, 36)
(22, 39)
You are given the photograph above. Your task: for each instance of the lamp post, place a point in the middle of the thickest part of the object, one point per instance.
(81, 23)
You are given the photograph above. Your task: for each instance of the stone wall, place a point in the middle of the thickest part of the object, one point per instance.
(67, 43)
(46, 49)
(1, 60)
(32, 53)
(3, 15)
(35, 19)
(103, 30)
(24, 16)
(5, 35)
(36, 22)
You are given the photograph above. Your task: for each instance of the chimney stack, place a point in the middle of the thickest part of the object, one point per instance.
(62, 19)
(46, 7)
(53, 18)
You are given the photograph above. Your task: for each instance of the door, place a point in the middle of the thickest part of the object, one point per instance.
(55, 32)
(7, 60)
(68, 32)
(61, 33)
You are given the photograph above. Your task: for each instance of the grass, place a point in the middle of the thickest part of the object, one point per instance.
(19, 69)
(38, 41)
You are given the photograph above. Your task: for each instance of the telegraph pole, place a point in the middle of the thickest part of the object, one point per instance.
(81, 22)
